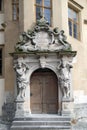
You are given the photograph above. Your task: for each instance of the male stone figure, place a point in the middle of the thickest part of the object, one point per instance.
(21, 78)
(64, 78)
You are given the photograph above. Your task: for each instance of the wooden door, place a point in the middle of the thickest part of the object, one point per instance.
(44, 92)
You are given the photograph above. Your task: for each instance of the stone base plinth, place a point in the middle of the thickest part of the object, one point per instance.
(19, 109)
(67, 108)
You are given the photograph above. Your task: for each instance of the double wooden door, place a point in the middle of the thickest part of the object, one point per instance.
(44, 92)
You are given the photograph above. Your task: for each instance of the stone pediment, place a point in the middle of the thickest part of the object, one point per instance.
(42, 38)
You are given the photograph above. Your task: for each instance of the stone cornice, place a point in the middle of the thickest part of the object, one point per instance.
(60, 53)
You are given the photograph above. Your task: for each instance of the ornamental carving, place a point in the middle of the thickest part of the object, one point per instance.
(42, 38)
(21, 77)
(43, 48)
(42, 60)
(64, 78)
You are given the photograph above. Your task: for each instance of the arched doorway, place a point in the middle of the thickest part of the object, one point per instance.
(43, 92)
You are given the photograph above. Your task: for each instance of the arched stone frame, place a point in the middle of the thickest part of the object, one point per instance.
(33, 65)
(33, 68)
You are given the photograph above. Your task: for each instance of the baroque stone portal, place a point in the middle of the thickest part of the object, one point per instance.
(41, 48)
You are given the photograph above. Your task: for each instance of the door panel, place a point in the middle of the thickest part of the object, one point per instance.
(50, 92)
(36, 94)
(44, 92)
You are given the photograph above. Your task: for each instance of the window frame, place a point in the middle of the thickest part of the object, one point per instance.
(2, 6)
(77, 23)
(2, 59)
(44, 7)
(16, 4)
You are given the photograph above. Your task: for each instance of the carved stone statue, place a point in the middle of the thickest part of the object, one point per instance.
(64, 78)
(21, 78)
(62, 39)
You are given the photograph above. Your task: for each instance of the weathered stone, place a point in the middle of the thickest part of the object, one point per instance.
(42, 38)
(42, 48)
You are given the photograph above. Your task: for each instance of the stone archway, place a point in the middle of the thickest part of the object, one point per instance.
(43, 92)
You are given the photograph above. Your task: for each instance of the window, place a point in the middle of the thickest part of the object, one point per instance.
(15, 9)
(43, 7)
(0, 61)
(1, 5)
(73, 22)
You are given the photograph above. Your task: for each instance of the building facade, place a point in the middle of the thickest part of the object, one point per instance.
(17, 16)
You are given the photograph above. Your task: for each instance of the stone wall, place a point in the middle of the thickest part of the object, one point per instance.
(79, 122)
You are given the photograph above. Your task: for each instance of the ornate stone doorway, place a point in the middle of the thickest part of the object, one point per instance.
(43, 61)
(41, 90)
(44, 92)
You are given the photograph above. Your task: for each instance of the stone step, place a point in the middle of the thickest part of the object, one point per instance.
(40, 123)
(40, 128)
(45, 118)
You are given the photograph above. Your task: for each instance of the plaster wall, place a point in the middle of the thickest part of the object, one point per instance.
(29, 14)
(11, 37)
(64, 16)
(55, 9)
(21, 16)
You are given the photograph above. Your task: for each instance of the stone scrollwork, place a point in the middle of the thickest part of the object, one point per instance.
(21, 77)
(64, 78)
(42, 38)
